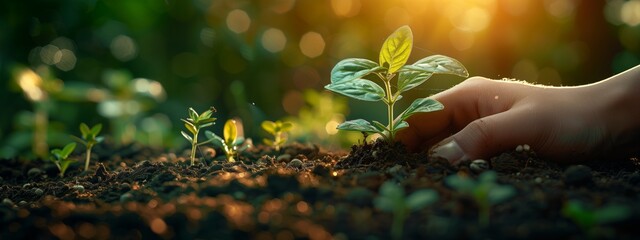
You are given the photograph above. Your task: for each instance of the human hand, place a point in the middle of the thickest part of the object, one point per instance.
(484, 117)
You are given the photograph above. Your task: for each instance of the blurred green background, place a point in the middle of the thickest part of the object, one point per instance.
(137, 65)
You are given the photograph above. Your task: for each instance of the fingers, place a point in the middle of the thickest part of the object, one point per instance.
(474, 98)
(490, 135)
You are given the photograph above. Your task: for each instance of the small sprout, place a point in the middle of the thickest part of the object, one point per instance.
(593, 221)
(231, 143)
(484, 191)
(89, 139)
(278, 130)
(392, 199)
(194, 123)
(60, 157)
(347, 78)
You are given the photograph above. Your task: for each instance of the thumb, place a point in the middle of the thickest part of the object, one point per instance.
(487, 136)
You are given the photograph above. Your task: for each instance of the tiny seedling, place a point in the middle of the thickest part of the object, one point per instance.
(89, 139)
(392, 199)
(278, 130)
(231, 143)
(194, 124)
(484, 191)
(347, 79)
(593, 221)
(61, 157)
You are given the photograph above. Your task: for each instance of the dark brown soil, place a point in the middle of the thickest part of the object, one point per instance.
(304, 192)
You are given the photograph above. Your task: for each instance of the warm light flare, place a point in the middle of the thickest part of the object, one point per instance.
(31, 85)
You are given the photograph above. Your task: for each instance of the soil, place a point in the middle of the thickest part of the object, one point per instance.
(306, 192)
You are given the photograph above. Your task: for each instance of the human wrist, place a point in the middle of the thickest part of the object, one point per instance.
(620, 96)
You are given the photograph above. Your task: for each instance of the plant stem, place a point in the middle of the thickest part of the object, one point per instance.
(40, 147)
(390, 103)
(194, 144)
(397, 225)
(86, 162)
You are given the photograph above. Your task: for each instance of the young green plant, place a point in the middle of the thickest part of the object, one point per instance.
(593, 222)
(194, 124)
(61, 157)
(279, 130)
(484, 191)
(392, 199)
(347, 78)
(231, 143)
(89, 139)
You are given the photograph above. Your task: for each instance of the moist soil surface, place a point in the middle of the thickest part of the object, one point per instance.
(306, 192)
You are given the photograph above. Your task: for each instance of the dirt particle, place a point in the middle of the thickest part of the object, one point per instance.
(295, 163)
(479, 165)
(34, 172)
(578, 175)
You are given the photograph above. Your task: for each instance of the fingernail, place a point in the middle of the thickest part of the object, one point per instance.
(450, 151)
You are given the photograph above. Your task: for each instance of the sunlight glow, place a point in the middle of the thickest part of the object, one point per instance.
(345, 8)
(31, 84)
(473, 19)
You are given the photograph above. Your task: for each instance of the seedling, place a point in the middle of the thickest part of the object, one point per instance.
(485, 192)
(278, 130)
(592, 221)
(231, 144)
(347, 79)
(392, 199)
(61, 157)
(194, 123)
(89, 139)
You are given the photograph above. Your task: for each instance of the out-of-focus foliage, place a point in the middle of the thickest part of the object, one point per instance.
(249, 57)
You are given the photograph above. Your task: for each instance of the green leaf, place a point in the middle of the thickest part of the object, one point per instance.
(268, 142)
(84, 130)
(384, 204)
(215, 139)
(205, 125)
(269, 127)
(205, 121)
(462, 184)
(421, 199)
(186, 136)
(190, 127)
(396, 49)
(378, 125)
(410, 79)
(230, 132)
(394, 193)
(68, 149)
(286, 126)
(359, 125)
(439, 64)
(351, 69)
(193, 115)
(498, 194)
(205, 115)
(400, 125)
(95, 130)
(360, 89)
(421, 105)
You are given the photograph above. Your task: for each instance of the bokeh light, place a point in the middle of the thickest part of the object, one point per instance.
(230, 54)
(238, 21)
(312, 44)
(274, 40)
